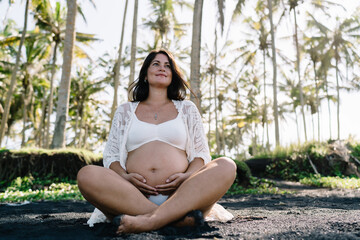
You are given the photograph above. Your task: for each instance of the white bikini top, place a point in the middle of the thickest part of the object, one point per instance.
(172, 132)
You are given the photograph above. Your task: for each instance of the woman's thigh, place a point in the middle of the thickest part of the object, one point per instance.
(111, 193)
(207, 185)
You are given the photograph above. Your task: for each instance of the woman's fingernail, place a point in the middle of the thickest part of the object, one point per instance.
(167, 180)
(144, 181)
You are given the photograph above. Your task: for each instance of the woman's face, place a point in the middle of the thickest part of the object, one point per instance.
(159, 72)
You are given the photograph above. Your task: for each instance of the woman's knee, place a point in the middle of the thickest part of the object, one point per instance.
(86, 174)
(228, 166)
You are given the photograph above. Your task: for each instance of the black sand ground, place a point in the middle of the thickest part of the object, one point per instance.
(310, 213)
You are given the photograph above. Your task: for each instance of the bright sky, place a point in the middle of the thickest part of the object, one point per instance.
(105, 22)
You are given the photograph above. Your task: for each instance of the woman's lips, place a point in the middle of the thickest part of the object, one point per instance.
(161, 75)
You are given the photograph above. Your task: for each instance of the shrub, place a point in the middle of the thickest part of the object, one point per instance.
(60, 163)
(293, 162)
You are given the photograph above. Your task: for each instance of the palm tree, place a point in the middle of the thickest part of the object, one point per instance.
(52, 27)
(117, 66)
(195, 54)
(133, 44)
(275, 103)
(315, 55)
(64, 89)
(293, 4)
(220, 20)
(82, 100)
(341, 47)
(162, 20)
(325, 65)
(52, 22)
(13, 77)
(257, 41)
(36, 54)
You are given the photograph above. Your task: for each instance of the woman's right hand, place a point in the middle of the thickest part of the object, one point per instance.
(140, 183)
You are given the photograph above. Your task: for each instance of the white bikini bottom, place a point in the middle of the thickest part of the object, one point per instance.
(158, 199)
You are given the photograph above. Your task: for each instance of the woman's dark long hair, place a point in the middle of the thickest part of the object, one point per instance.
(139, 89)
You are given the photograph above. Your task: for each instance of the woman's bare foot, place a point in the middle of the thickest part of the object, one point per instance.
(135, 224)
(191, 219)
(145, 223)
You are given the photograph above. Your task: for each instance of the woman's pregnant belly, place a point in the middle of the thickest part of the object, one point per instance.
(156, 161)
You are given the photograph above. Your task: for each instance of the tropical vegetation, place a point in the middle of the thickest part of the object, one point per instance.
(246, 83)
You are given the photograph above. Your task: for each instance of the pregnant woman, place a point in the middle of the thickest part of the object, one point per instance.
(157, 165)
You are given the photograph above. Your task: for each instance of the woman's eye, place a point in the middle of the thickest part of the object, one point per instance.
(155, 64)
(168, 66)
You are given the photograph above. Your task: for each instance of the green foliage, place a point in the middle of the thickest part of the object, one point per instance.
(3, 150)
(243, 173)
(34, 182)
(257, 186)
(332, 182)
(355, 149)
(292, 162)
(36, 189)
(88, 156)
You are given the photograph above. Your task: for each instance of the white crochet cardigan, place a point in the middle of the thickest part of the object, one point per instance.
(115, 149)
(196, 146)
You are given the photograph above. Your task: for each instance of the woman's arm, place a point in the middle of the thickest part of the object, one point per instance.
(175, 180)
(194, 166)
(134, 178)
(116, 167)
(197, 146)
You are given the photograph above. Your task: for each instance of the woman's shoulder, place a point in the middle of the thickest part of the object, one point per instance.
(187, 103)
(187, 107)
(126, 107)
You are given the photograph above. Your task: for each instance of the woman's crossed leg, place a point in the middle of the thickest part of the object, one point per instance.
(111, 193)
(199, 192)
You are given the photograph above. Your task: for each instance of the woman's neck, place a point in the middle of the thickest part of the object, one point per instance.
(157, 97)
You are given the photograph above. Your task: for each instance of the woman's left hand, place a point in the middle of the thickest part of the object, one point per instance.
(173, 182)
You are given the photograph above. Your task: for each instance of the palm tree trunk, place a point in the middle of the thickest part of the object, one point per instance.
(5, 115)
(77, 119)
(64, 89)
(275, 106)
(299, 77)
(117, 67)
(210, 112)
(215, 98)
(80, 139)
(253, 139)
(338, 95)
(266, 125)
(133, 44)
(222, 134)
(195, 54)
(313, 126)
(297, 125)
(237, 136)
(51, 97)
(28, 91)
(328, 101)
(317, 100)
(24, 119)
(39, 133)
